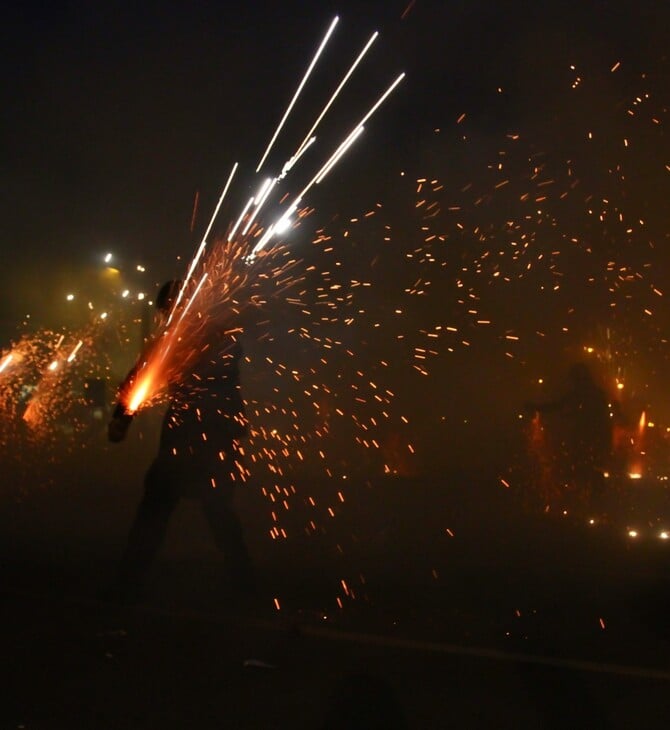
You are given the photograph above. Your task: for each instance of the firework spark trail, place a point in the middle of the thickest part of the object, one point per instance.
(203, 244)
(154, 371)
(335, 94)
(299, 89)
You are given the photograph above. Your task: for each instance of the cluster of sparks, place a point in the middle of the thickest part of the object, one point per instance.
(524, 232)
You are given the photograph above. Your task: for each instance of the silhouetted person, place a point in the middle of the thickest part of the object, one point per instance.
(584, 410)
(198, 457)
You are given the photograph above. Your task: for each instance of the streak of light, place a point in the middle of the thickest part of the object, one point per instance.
(239, 220)
(74, 352)
(355, 129)
(201, 248)
(339, 152)
(5, 362)
(288, 166)
(299, 89)
(145, 386)
(267, 189)
(346, 77)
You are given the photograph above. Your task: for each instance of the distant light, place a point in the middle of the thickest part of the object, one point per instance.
(634, 475)
(141, 296)
(664, 535)
(619, 386)
(589, 350)
(108, 258)
(125, 293)
(140, 267)
(540, 380)
(53, 365)
(103, 315)
(632, 533)
(70, 297)
(592, 521)
(90, 305)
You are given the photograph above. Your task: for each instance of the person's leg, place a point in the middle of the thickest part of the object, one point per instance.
(226, 528)
(148, 529)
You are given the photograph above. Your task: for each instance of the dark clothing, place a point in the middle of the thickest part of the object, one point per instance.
(164, 485)
(199, 456)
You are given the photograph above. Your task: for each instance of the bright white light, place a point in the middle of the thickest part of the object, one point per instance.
(299, 89)
(263, 188)
(103, 315)
(125, 293)
(6, 361)
(53, 365)
(141, 296)
(70, 297)
(108, 258)
(632, 533)
(282, 225)
(664, 535)
(337, 91)
(74, 352)
(239, 220)
(140, 267)
(634, 475)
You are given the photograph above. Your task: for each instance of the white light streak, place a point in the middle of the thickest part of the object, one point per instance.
(290, 163)
(262, 243)
(6, 361)
(259, 205)
(372, 39)
(263, 188)
(74, 352)
(299, 89)
(239, 220)
(203, 243)
(339, 152)
(353, 134)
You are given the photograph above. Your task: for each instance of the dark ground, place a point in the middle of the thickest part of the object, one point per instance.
(518, 620)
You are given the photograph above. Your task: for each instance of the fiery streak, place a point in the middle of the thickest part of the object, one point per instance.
(336, 93)
(299, 89)
(203, 244)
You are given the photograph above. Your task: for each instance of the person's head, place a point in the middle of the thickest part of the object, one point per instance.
(166, 297)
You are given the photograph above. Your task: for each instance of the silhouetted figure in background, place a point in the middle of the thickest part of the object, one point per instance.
(585, 416)
(198, 457)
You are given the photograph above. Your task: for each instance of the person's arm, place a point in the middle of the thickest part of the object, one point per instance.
(119, 424)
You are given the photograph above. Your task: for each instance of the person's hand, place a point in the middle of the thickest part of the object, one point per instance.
(117, 428)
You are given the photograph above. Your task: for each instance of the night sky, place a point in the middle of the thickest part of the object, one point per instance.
(115, 114)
